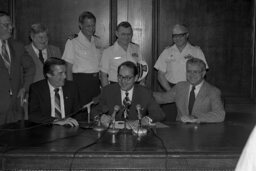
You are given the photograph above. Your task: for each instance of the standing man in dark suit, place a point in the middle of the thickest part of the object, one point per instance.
(53, 99)
(196, 100)
(16, 72)
(127, 94)
(39, 49)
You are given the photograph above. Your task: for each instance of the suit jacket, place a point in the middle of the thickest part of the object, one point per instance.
(208, 106)
(111, 96)
(52, 51)
(39, 103)
(21, 75)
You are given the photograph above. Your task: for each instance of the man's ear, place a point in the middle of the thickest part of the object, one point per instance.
(48, 75)
(136, 78)
(117, 35)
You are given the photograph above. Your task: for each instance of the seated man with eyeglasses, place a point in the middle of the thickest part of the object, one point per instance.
(126, 99)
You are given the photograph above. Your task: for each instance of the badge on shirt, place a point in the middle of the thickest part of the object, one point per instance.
(188, 56)
(135, 55)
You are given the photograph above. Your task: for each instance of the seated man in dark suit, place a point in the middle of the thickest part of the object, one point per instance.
(53, 99)
(126, 98)
(196, 100)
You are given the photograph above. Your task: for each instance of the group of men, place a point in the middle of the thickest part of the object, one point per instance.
(61, 87)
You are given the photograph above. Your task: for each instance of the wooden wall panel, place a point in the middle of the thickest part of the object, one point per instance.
(224, 30)
(4, 5)
(61, 17)
(139, 14)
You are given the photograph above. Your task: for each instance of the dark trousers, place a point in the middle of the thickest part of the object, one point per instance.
(88, 87)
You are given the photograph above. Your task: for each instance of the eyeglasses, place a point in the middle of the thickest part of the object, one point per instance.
(194, 72)
(7, 25)
(178, 35)
(126, 78)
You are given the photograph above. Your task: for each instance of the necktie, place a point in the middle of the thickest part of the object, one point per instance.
(191, 100)
(126, 100)
(57, 104)
(5, 56)
(41, 56)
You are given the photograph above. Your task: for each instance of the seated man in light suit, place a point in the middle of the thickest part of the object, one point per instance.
(116, 94)
(39, 49)
(53, 99)
(196, 100)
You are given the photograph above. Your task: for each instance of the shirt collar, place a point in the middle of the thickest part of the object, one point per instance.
(37, 50)
(83, 38)
(52, 88)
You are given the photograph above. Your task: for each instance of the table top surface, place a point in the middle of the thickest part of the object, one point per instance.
(226, 138)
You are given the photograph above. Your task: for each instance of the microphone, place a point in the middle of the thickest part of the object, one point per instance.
(138, 108)
(116, 109)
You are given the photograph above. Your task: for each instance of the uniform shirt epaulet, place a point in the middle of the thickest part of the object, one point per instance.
(72, 36)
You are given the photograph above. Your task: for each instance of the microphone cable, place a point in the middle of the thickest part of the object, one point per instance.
(164, 147)
(87, 146)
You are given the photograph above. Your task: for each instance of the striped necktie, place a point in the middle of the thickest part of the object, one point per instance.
(5, 56)
(57, 104)
(127, 101)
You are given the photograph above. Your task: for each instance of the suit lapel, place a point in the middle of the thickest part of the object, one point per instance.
(46, 94)
(200, 96)
(12, 54)
(186, 96)
(66, 97)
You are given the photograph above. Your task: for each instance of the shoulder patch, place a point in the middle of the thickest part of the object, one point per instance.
(72, 36)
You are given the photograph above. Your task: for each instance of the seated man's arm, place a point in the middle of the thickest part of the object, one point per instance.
(104, 79)
(165, 97)
(217, 112)
(154, 110)
(163, 81)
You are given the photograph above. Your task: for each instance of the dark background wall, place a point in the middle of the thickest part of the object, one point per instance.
(224, 29)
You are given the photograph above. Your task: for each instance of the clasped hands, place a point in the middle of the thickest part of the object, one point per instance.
(189, 119)
(66, 121)
(106, 120)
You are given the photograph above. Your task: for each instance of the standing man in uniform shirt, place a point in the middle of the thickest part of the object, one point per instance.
(39, 49)
(16, 72)
(171, 64)
(82, 59)
(122, 50)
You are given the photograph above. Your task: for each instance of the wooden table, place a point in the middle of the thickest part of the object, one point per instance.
(183, 147)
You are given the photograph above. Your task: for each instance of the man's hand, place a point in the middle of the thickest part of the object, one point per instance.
(67, 121)
(189, 119)
(146, 121)
(105, 120)
(21, 95)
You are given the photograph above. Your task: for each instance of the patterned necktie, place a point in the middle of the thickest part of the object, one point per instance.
(191, 100)
(5, 56)
(40, 54)
(127, 101)
(57, 104)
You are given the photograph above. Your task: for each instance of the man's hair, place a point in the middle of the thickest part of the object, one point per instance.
(3, 13)
(50, 62)
(124, 24)
(38, 28)
(129, 64)
(198, 62)
(86, 14)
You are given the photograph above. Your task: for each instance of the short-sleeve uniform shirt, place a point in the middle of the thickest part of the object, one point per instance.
(83, 54)
(173, 62)
(114, 55)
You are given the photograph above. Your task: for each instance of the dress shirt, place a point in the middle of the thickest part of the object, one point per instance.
(52, 94)
(130, 94)
(82, 54)
(7, 48)
(44, 52)
(114, 55)
(173, 62)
